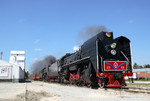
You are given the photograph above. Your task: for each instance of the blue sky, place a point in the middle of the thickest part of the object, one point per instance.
(51, 27)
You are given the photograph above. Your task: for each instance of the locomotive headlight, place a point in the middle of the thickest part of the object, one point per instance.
(113, 52)
(113, 45)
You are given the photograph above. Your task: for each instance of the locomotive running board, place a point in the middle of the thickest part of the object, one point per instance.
(77, 62)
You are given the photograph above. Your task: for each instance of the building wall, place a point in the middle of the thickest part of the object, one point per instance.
(21, 73)
(18, 57)
(143, 75)
(21, 64)
(12, 73)
(17, 72)
(7, 74)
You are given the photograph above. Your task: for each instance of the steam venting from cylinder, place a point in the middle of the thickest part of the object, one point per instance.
(40, 64)
(89, 32)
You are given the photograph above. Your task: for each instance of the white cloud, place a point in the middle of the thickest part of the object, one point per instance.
(38, 49)
(76, 48)
(130, 21)
(20, 21)
(36, 41)
(36, 59)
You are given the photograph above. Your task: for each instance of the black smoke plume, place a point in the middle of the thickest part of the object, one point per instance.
(39, 65)
(89, 32)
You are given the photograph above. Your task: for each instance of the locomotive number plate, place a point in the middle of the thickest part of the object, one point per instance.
(115, 65)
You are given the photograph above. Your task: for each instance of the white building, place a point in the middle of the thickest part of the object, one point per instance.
(11, 72)
(18, 57)
(15, 70)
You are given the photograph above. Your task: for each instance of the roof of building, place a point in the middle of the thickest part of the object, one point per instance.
(7, 64)
(4, 63)
(17, 52)
(142, 70)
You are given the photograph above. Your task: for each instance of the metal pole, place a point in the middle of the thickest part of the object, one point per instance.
(26, 92)
(145, 74)
(97, 56)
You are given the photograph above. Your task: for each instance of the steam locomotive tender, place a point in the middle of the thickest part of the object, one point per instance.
(101, 60)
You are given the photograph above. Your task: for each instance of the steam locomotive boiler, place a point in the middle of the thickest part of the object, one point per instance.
(101, 60)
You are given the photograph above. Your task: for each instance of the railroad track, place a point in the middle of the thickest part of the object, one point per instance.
(126, 89)
(132, 90)
(137, 90)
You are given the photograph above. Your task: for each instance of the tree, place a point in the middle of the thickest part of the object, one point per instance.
(140, 67)
(135, 66)
(27, 75)
(147, 66)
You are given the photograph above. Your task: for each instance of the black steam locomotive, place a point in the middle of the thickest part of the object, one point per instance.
(101, 60)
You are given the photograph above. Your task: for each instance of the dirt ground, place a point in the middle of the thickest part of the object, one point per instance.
(41, 91)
